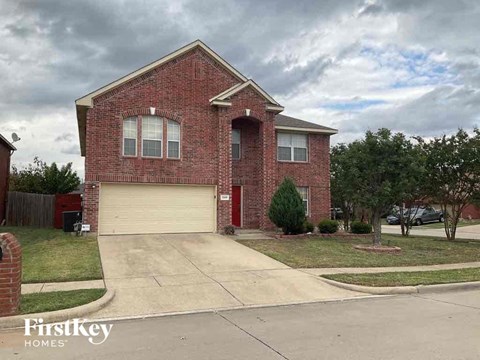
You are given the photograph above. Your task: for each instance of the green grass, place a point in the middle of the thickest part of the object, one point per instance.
(50, 255)
(406, 278)
(441, 225)
(58, 300)
(327, 253)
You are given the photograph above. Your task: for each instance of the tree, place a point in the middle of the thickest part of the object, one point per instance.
(378, 168)
(453, 174)
(340, 182)
(286, 209)
(41, 178)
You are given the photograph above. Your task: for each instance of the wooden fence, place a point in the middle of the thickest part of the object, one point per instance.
(24, 209)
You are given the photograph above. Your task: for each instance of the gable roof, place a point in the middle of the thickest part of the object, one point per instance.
(87, 100)
(283, 122)
(7, 143)
(223, 96)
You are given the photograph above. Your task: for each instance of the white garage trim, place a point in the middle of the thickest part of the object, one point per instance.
(133, 208)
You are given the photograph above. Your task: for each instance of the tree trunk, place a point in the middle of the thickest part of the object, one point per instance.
(402, 222)
(377, 228)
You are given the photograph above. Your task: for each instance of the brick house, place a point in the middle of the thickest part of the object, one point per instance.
(189, 144)
(6, 150)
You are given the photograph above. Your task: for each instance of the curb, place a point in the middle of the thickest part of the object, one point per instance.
(18, 321)
(395, 290)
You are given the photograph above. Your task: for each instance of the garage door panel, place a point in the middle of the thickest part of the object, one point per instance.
(145, 208)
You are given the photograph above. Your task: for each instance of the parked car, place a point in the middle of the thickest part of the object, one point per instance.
(418, 216)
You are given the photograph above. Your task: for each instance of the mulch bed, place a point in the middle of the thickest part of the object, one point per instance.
(382, 249)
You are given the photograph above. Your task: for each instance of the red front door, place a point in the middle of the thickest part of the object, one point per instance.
(237, 206)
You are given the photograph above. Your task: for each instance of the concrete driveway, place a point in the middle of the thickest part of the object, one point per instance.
(154, 274)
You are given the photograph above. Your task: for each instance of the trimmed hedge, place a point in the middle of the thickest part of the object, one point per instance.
(358, 227)
(328, 226)
(308, 227)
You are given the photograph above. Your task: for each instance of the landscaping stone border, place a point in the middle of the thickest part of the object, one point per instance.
(18, 321)
(337, 235)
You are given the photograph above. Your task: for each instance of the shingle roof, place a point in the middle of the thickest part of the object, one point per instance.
(7, 143)
(287, 121)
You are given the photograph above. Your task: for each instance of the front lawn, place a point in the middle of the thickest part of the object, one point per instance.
(58, 300)
(50, 255)
(406, 278)
(328, 253)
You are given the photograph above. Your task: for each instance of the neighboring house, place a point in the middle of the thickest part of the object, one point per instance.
(6, 150)
(189, 144)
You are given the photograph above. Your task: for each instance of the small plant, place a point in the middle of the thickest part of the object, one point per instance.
(229, 230)
(358, 227)
(308, 227)
(286, 209)
(328, 226)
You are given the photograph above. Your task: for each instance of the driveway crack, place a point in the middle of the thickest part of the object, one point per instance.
(253, 336)
(203, 273)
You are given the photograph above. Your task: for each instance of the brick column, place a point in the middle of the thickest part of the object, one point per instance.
(268, 176)
(90, 204)
(224, 214)
(10, 274)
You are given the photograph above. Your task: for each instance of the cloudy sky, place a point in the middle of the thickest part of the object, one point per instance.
(408, 65)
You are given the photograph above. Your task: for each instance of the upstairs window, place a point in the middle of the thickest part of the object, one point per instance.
(173, 141)
(236, 141)
(130, 136)
(292, 147)
(303, 191)
(152, 134)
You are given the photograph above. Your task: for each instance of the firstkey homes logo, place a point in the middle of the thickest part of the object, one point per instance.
(55, 334)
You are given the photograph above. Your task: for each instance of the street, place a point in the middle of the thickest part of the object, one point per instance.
(432, 326)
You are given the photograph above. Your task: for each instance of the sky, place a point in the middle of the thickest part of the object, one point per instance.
(407, 65)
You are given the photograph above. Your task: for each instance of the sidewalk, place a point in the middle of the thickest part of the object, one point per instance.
(328, 271)
(465, 232)
(62, 286)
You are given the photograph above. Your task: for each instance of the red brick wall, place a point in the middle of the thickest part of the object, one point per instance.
(10, 275)
(315, 174)
(4, 171)
(471, 211)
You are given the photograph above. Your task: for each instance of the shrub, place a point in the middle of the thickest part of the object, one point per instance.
(328, 226)
(308, 227)
(358, 227)
(286, 209)
(229, 230)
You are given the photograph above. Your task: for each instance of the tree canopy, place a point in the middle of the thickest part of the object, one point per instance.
(41, 178)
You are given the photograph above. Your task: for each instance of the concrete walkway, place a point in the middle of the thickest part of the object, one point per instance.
(464, 232)
(62, 286)
(158, 274)
(326, 271)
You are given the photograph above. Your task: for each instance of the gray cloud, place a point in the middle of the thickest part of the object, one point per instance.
(64, 137)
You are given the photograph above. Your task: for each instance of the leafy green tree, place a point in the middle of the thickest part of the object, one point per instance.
(342, 192)
(41, 178)
(378, 171)
(286, 209)
(453, 174)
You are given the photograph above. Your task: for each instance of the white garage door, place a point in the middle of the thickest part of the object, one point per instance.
(153, 209)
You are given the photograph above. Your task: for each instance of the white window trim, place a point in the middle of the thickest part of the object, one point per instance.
(292, 149)
(161, 142)
(239, 144)
(307, 212)
(179, 140)
(124, 137)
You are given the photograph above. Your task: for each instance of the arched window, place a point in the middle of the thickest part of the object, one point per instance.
(173, 140)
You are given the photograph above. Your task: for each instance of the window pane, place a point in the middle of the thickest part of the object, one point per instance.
(284, 153)
(152, 148)
(303, 191)
(305, 205)
(284, 140)
(152, 127)
(235, 136)
(236, 151)
(130, 128)
(129, 147)
(299, 154)
(174, 149)
(173, 130)
(299, 140)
